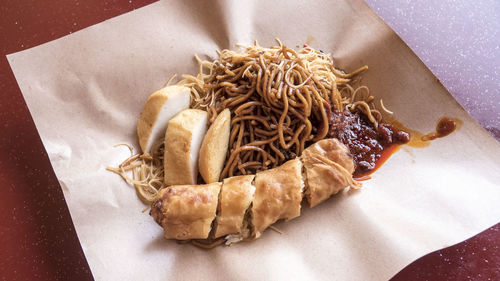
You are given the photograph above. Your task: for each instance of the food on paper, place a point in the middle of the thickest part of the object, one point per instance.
(328, 167)
(283, 125)
(236, 196)
(281, 100)
(278, 195)
(248, 205)
(186, 211)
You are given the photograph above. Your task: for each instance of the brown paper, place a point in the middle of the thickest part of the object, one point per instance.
(85, 92)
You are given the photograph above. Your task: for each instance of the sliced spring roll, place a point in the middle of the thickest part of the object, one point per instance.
(278, 195)
(186, 211)
(235, 198)
(328, 167)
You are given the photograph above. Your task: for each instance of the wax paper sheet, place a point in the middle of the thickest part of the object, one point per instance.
(85, 92)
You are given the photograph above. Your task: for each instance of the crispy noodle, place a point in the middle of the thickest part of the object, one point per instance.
(275, 229)
(277, 97)
(146, 171)
(385, 108)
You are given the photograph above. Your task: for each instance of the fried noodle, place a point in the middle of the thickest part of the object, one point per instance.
(279, 100)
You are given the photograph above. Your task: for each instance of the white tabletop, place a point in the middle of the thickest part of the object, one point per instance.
(460, 42)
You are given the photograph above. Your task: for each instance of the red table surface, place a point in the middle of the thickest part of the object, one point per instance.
(37, 237)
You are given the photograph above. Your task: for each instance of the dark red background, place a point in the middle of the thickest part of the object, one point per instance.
(37, 237)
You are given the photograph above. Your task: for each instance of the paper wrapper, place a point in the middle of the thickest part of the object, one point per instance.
(85, 92)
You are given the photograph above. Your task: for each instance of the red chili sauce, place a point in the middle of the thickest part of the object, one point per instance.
(369, 146)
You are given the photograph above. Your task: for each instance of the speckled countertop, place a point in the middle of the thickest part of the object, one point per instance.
(457, 40)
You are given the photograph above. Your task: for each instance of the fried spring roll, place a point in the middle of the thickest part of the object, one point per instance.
(186, 211)
(328, 167)
(278, 195)
(235, 198)
(246, 209)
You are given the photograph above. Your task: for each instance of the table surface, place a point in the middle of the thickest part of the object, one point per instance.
(458, 41)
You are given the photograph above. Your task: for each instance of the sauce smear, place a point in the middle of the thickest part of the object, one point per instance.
(444, 127)
(370, 146)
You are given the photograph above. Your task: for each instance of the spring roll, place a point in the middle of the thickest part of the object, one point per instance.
(235, 198)
(278, 195)
(328, 168)
(186, 211)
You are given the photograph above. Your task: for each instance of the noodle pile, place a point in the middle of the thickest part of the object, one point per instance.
(279, 99)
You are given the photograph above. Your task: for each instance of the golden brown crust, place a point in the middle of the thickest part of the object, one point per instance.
(214, 147)
(236, 196)
(328, 167)
(186, 211)
(333, 150)
(277, 196)
(181, 152)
